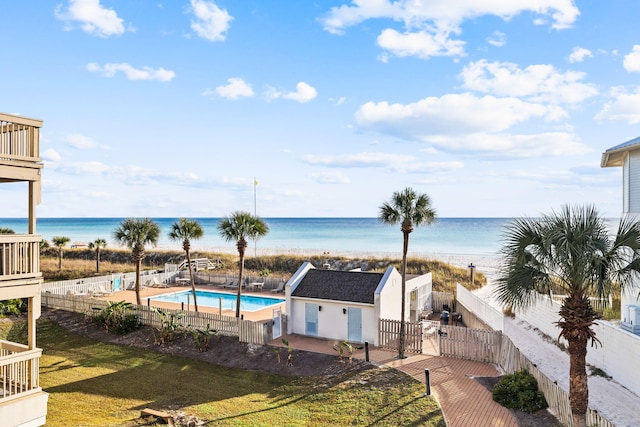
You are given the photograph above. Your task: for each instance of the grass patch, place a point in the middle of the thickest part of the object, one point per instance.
(99, 384)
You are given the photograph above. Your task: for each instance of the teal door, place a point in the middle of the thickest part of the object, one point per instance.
(354, 324)
(311, 319)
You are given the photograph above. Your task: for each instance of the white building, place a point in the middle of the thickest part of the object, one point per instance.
(347, 305)
(22, 401)
(627, 155)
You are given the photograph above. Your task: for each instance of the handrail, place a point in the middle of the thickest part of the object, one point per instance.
(19, 138)
(19, 256)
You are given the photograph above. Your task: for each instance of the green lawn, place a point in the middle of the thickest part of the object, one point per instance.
(96, 384)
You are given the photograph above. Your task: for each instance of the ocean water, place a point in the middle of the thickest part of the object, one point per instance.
(456, 236)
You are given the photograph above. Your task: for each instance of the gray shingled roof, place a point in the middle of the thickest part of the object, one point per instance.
(349, 286)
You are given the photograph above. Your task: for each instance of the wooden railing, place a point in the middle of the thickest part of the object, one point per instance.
(18, 370)
(19, 138)
(19, 256)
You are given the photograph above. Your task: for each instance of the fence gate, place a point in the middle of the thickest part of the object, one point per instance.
(277, 323)
(430, 336)
(389, 335)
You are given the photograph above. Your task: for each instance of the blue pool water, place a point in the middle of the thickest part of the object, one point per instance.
(213, 299)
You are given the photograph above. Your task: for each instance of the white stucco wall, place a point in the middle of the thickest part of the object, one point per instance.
(616, 355)
(332, 320)
(389, 296)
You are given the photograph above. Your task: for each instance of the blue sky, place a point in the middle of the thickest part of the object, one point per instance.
(171, 108)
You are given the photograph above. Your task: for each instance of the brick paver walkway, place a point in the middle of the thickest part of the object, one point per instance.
(464, 401)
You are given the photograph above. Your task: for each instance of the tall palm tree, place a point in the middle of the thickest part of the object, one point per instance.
(408, 209)
(97, 245)
(60, 242)
(185, 230)
(570, 251)
(238, 227)
(135, 233)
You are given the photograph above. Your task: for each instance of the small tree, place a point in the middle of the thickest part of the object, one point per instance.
(135, 233)
(5, 230)
(406, 208)
(60, 242)
(238, 227)
(97, 245)
(185, 230)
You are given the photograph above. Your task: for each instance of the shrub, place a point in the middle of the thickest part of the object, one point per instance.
(519, 391)
(170, 326)
(13, 306)
(202, 337)
(117, 318)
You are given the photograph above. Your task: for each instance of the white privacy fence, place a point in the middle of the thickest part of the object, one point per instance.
(482, 309)
(107, 283)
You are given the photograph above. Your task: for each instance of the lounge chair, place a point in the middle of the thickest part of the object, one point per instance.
(101, 292)
(231, 285)
(279, 289)
(154, 283)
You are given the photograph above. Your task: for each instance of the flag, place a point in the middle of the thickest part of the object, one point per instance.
(255, 181)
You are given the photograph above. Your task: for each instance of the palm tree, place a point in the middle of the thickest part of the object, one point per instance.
(5, 230)
(97, 245)
(406, 208)
(135, 233)
(186, 230)
(237, 227)
(571, 252)
(60, 242)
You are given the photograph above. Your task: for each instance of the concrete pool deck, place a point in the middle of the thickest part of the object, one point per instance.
(148, 292)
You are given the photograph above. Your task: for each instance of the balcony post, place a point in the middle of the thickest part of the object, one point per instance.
(31, 324)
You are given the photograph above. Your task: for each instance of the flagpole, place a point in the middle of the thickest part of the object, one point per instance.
(255, 213)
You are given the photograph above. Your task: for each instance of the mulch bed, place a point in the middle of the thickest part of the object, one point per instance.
(541, 418)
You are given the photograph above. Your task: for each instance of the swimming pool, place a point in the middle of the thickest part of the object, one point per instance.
(214, 299)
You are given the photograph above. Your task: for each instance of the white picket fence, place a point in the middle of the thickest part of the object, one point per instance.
(246, 330)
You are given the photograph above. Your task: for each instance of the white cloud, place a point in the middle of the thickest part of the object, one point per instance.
(93, 17)
(578, 54)
(144, 73)
(498, 39)
(543, 144)
(624, 106)
(466, 124)
(51, 155)
(541, 82)
(359, 160)
(211, 23)
(80, 142)
(429, 25)
(331, 178)
(304, 93)
(84, 168)
(395, 162)
(421, 44)
(632, 60)
(236, 89)
(454, 113)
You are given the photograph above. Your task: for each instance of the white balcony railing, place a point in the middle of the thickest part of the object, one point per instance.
(19, 368)
(19, 256)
